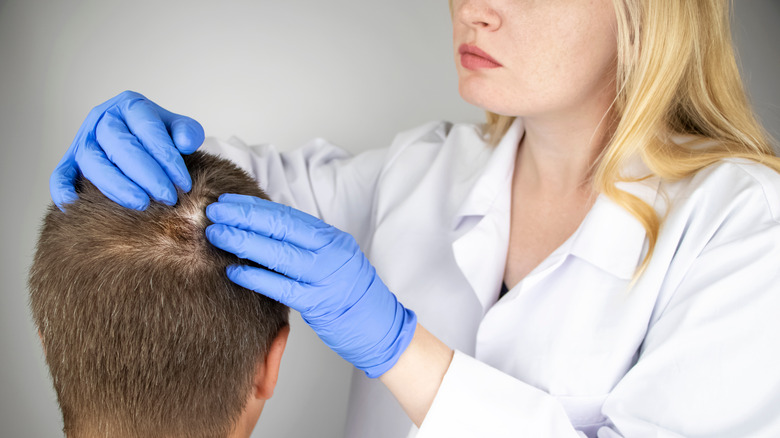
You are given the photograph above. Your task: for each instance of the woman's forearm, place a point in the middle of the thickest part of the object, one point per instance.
(415, 379)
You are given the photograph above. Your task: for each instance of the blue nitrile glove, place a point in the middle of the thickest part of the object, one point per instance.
(130, 148)
(317, 270)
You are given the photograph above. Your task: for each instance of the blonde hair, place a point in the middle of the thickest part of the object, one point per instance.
(676, 75)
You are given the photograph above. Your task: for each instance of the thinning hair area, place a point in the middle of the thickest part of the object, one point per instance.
(143, 332)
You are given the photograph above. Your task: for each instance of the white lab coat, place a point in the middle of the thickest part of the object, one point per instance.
(692, 350)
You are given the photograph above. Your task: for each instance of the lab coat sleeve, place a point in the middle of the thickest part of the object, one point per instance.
(476, 400)
(709, 363)
(318, 178)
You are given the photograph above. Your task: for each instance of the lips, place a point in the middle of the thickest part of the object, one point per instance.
(474, 58)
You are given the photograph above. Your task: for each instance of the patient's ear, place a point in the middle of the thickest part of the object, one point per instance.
(268, 372)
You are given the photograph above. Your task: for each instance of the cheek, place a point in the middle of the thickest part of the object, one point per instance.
(568, 51)
(593, 54)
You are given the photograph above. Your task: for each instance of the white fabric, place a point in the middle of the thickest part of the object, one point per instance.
(692, 350)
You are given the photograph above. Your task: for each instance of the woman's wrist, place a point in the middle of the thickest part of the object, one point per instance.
(415, 379)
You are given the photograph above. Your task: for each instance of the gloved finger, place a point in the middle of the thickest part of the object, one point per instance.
(124, 150)
(269, 283)
(272, 220)
(143, 121)
(238, 199)
(61, 182)
(187, 133)
(110, 180)
(260, 202)
(282, 257)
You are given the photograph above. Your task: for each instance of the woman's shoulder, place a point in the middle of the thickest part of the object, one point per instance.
(436, 145)
(726, 202)
(432, 137)
(433, 132)
(735, 185)
(434, 164)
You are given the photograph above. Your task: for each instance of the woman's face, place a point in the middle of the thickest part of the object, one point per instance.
(551, 56)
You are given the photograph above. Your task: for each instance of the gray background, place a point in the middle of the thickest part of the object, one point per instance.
(354, 72)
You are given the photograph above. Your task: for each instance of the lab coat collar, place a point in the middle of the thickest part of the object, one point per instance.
(491, 179)
(610, 237)
(481, 222)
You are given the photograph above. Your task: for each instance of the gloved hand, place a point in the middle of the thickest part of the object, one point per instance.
(129, 148)
(317, 270)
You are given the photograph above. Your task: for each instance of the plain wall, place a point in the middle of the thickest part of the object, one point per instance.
(354, 72)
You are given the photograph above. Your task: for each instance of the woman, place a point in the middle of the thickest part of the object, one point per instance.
(599, 260)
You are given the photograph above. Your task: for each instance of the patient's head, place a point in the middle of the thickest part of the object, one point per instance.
(144, 334)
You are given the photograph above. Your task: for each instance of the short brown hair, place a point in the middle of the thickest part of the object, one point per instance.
(144, 334)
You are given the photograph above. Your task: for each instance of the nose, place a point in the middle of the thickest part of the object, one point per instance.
(478, 14)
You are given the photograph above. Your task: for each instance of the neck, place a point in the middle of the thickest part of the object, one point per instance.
(242, 429)
(558, 152)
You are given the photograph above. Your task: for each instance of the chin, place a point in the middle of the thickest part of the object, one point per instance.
(489, 105)
(487, 98)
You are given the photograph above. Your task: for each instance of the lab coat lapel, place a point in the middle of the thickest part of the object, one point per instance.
(481, 223)
(609, 237)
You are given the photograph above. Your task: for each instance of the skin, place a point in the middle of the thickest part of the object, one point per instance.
(557, 74)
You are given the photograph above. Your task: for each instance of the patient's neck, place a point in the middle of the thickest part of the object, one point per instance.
(241, 430)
